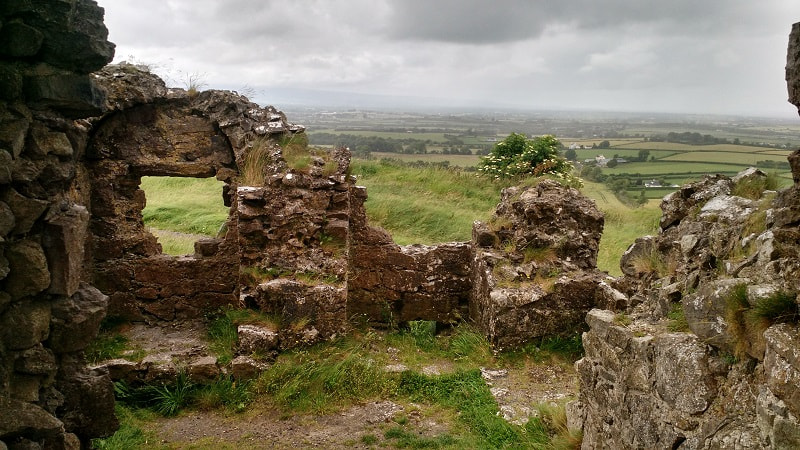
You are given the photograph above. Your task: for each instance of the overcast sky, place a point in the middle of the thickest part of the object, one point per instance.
(693, 56)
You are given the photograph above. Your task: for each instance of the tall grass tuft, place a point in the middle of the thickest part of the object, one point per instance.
(754, 186)
(677, 318)
(253, 170)
(170, 399)
(321, 382)
(779, 307)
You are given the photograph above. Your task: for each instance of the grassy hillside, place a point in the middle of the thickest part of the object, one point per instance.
(623, 225)
(425, 205)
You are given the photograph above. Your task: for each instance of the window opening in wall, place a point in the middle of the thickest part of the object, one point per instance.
(180, 211)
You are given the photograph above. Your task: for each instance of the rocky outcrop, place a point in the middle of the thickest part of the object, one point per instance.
(691, 364)
(48, 313)
(534, 265)
(706, 357)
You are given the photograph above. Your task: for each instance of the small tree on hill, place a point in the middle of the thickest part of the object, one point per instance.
(517, 155)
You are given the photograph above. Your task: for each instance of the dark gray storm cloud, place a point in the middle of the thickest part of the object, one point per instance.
(677, 55)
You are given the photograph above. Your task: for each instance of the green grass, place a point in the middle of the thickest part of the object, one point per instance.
(132, 433)
(677, 319)
(186, 205)
(425, 205)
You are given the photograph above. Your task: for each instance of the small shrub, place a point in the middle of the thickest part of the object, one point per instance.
(423, 332)
(169, 400)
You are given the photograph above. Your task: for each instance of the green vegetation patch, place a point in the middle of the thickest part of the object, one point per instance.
(425, 205)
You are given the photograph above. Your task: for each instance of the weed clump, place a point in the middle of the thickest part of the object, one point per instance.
(752, 187)
(747, 320)
(677, 319)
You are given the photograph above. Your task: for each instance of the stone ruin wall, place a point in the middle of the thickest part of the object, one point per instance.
(48, 312)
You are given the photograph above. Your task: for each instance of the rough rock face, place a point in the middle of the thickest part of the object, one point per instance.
(48, 314)
(688, 366)
(533, 269)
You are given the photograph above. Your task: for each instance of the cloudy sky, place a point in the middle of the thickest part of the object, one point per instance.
(708, 56)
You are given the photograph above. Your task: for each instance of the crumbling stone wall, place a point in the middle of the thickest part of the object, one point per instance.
(150, 130)
(534, 265)
(388, 283)
(294, 238)
(48, 313)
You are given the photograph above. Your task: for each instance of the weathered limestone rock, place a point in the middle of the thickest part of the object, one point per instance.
(64, 239)
(533, 269)
(782, 364)
(21, 419)
(642, 386)
(26, 210)
(88, 408)
(203, 369)
(257, 339)
(19, 40)
(682, 202)
(246, 368)
(25, 324)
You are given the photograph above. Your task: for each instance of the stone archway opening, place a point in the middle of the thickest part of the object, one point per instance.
(180, 211)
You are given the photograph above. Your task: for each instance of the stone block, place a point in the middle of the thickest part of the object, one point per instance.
(20, 419)
(43, 141)
(257, 339)
(64, 241)
(25, 324)
(246, 368)
(26, 210)
(37, 360)
(19, 40)
(76, 320)
(203, 369)
(74, 95)
(29, 273)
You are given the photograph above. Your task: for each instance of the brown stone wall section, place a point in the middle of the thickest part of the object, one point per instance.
(390, 283)
(154, 131)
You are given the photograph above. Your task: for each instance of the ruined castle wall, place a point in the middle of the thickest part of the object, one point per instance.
(164, 138)
(48, 313)
(150, 130)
